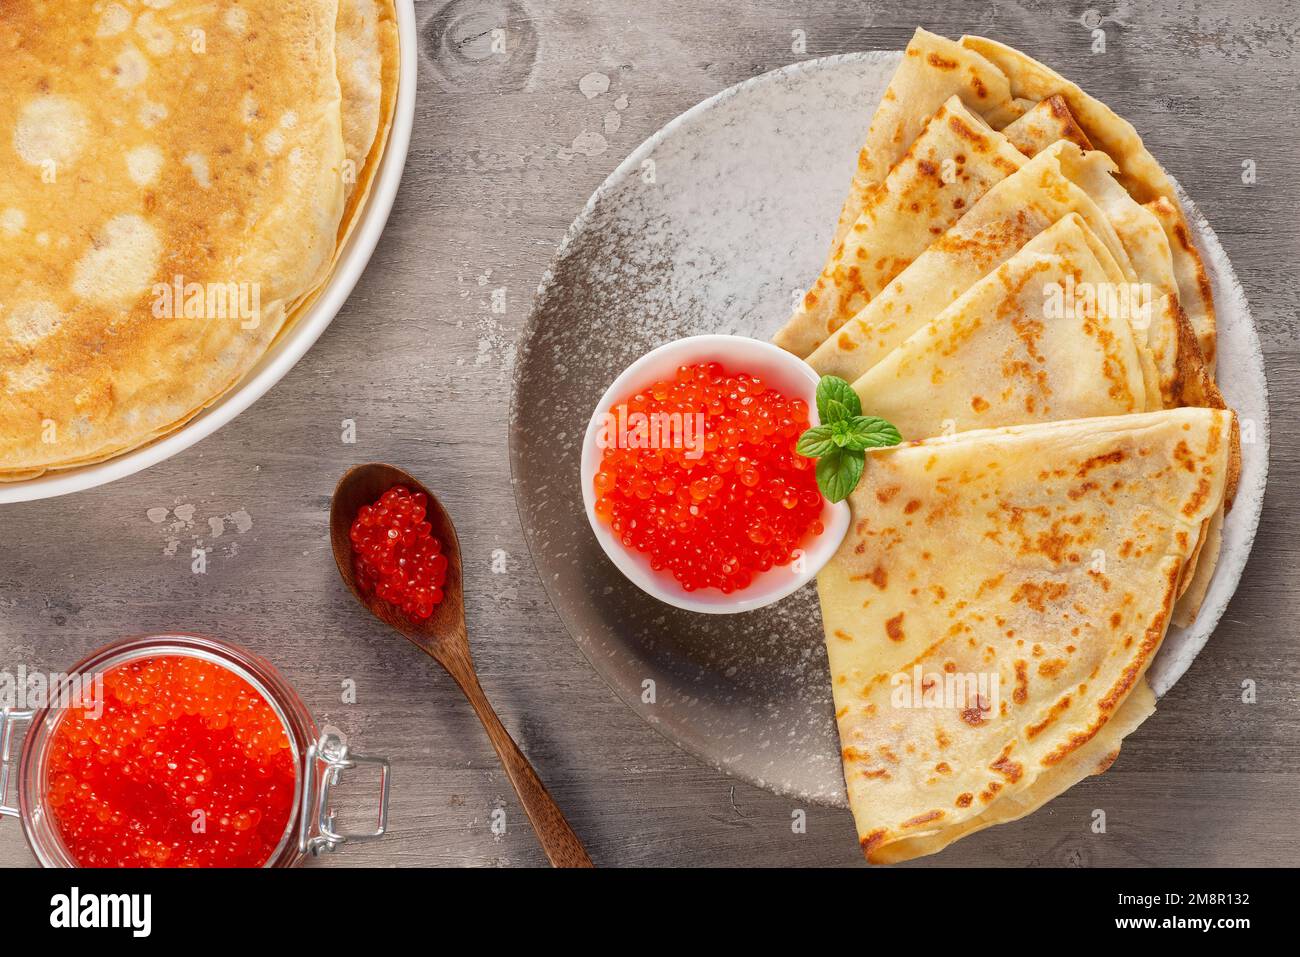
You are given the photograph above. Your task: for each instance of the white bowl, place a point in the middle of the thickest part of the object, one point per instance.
(293, 344)
(785, 372)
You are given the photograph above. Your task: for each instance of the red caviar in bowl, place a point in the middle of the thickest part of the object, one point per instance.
(181, 763)
(717, 509)
(395, 553)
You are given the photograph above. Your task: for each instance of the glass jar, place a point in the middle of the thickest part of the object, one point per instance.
(320, 756)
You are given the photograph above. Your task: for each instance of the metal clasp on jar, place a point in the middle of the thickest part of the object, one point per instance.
(325, 761)
(8, 750)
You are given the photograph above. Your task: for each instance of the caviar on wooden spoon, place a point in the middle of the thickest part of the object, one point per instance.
(395, 555)
(401, 560)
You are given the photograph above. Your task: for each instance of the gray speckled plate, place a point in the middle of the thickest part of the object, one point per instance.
(715, 224)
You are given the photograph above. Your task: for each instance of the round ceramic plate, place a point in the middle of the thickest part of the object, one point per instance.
(291, 345)
(716, 224)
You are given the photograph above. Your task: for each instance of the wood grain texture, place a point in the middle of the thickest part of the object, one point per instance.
(506, 150)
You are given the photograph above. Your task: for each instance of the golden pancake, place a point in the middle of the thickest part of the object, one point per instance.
(934, 68)
(996, 603)
(952, 163)
(368, 62)
(1137, 170)
(1008, 216)
(997, 357)
(1032, 107)
(1047, 122)
(179, 181)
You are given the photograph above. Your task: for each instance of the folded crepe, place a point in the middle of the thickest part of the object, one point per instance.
(1060, 177)
(1043, 125)
(1194, 290)
(1030, 104)
(1011, 350)
(1094, 757)
(1138, 170)
(951, 163)
(991, 613)
(933, 70)
(1013, 212)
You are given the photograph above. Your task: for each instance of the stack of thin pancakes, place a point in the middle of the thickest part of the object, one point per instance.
(179, 177)
(1013, 284)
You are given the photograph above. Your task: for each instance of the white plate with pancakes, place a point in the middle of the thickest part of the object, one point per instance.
(357, 154)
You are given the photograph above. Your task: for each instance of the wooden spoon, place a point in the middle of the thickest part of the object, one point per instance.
(443, 637)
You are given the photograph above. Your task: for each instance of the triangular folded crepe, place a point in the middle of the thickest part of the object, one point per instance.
(1030, 104)
(1148, 248)
(1012, 213)
(934, 68)
(995, 605)
(1047, 122)
(1094, 757)
(1058, 179)
(1011, 349)
(1138, 171)
(949, 166)
(1194, 290)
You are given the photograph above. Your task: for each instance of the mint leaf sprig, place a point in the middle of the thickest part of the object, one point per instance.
(839, 444)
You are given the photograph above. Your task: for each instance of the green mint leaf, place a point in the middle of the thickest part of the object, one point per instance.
(836, 400)
(815, 442)
(838, 473)
(839, 444)
(836, 412)
(870, 432)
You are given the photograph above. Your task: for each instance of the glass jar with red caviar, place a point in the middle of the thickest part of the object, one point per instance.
(290, 766)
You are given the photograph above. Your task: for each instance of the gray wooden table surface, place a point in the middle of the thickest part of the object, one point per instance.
(506, 150)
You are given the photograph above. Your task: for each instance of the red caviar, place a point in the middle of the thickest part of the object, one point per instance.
(714, 512)
(186, 765)
(395, 554)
